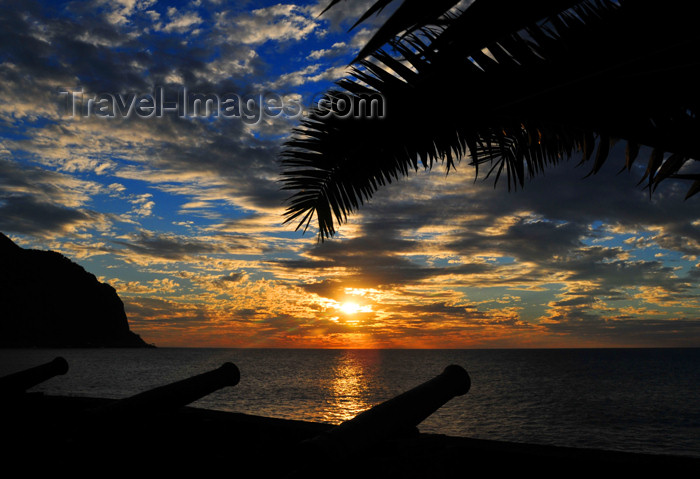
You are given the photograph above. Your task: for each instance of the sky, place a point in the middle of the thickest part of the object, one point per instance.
(183, 214)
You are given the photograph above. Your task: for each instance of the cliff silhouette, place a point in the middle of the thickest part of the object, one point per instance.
(48, 301)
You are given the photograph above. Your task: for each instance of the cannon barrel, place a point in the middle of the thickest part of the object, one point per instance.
(393, 417)
(17, 383)
(172, 396)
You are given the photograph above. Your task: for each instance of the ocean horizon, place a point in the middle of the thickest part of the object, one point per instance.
(625, 399)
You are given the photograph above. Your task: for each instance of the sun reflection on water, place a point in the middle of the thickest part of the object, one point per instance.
(349, 388)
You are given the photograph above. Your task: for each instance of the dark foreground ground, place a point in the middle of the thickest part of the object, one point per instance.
(60, 435)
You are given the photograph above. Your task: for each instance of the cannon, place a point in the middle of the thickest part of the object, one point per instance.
(16, 384)
(170, 397)
(391, 418)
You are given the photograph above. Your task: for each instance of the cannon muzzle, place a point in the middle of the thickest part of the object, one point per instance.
(17, 383)
(393, 417)
(172, 396)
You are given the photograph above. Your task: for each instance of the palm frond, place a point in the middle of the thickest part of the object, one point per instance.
(521, 95)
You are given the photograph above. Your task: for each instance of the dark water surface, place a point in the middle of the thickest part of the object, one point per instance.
(643, 400)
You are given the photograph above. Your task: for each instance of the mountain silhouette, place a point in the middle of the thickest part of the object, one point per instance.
(47, 300)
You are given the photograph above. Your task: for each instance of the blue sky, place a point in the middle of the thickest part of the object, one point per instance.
(183, 216)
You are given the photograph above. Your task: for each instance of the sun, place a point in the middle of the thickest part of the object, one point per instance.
(350, 308)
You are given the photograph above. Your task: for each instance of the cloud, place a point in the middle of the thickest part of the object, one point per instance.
(554, 236)
(37, 202)
(275, 23)
(25, 215)
(181, 22)
(326, 52)
(119, 12)
(189, 209)
(640, 332)
(344, 14)
(143, 204)
(149, 246)
(226, 280)
(309, 74)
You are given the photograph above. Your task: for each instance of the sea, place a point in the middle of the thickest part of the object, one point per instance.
(638, 400)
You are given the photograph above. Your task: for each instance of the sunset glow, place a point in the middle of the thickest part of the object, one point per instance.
(349, 308)
(352, 308)
(183, 215)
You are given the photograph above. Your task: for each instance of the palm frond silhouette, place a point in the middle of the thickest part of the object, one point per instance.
(514, 86)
